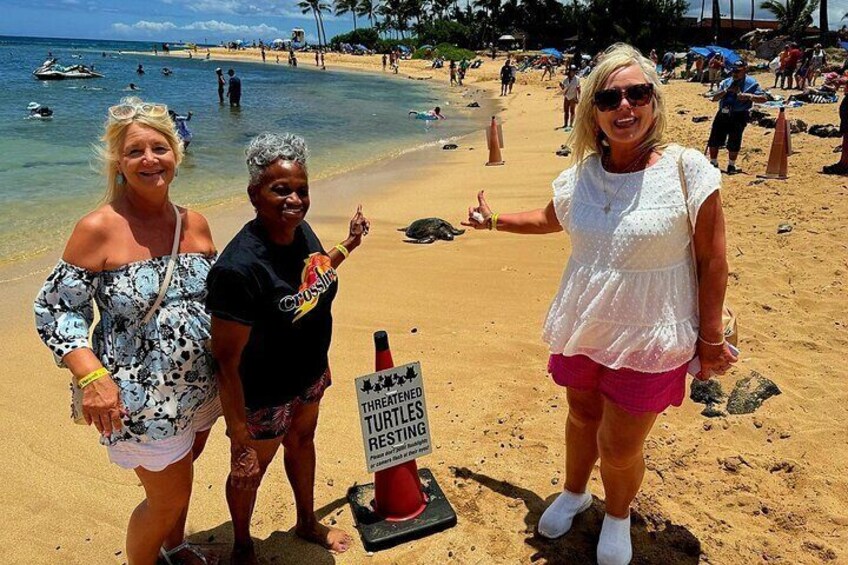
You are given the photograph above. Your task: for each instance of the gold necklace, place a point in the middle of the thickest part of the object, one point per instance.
(628, 169)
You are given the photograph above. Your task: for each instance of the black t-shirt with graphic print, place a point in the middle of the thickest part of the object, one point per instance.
(284, 293)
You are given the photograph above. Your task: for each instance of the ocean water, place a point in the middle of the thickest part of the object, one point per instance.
(49, 175)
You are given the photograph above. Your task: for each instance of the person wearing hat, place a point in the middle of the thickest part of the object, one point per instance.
(735, 97)
(221, 82)
(570, 86)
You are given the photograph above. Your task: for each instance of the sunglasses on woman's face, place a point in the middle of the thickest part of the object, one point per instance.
(129, 111)
(636, 94)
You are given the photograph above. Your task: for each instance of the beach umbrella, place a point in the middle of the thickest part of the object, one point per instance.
(552, 52)
(730, 56)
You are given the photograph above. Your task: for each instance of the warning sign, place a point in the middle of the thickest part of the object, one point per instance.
(393, 416)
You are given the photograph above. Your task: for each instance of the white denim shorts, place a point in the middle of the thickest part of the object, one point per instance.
(156, 455)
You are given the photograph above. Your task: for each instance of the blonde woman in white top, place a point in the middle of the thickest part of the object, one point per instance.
(629, 314)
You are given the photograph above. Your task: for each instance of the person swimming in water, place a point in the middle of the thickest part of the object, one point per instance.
(183, 132)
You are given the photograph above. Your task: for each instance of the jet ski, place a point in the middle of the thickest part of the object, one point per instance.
(52, 70)
(39, 112)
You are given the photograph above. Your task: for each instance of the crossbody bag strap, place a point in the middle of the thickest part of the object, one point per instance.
(689, 224)
(172, 261)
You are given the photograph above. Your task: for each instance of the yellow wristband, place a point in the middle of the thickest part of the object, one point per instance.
(343, 250)
(494, 222)
(91, 377)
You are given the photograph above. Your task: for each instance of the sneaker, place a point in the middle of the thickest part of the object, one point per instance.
(732, 170)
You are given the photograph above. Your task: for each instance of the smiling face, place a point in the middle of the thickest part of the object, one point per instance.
(626, 126)
(281, 197)
(146, 160)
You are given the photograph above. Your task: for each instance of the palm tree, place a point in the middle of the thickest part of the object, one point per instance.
(309, 6)
(316, 7)
(366, 8)
(823, 24)
(717, 19)
(320, 8)
(794, 17)
(347, 7)
(732, 23)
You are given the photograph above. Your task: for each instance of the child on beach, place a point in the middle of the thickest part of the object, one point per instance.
(630, 312)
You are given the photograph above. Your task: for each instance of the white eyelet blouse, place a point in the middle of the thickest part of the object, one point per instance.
(628, 296)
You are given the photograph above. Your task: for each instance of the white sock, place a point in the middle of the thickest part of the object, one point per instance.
(556, 519)
(614, 545)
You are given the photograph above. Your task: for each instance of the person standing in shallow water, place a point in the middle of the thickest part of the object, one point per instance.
(234, 89)
(221, 83)
(629, 314)
(270, 296)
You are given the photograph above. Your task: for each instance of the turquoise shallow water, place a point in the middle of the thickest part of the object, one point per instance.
(48, 175)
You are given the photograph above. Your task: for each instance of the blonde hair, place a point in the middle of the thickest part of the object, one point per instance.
(588, 138)
(115, 131)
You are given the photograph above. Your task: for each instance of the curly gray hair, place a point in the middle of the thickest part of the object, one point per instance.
(266, 148)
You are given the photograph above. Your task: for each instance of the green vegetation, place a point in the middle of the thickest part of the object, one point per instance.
(476, 24)
(446, 51)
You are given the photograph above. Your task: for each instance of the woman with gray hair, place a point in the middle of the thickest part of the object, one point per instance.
(630, 313)
(270, 295)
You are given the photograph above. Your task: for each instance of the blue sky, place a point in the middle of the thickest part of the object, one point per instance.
(210, 20)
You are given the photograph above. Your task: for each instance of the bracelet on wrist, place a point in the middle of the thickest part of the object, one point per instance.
(714, 344)
(343, 250)
(91, 377)
(493, 222)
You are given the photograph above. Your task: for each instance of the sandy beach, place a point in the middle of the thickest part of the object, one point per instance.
(768, 487)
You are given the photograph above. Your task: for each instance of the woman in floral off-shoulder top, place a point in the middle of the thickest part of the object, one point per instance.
(629, 315)
(148, 387)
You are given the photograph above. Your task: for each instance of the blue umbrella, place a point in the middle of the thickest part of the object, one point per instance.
(730, 55)
(552, 52)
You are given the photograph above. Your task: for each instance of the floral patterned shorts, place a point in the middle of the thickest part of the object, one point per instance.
(274, 421)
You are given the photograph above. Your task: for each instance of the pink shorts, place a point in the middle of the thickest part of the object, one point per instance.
(632, 390)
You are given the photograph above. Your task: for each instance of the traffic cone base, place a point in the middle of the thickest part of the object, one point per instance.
(379, 533)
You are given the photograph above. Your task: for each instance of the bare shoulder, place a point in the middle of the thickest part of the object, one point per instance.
(91, 238)
(196, 227)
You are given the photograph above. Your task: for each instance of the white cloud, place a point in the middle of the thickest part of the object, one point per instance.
(209, 26)
(145, 26)
(224, 27)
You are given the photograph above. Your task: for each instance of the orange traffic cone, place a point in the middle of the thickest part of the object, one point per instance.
(398, 493)
(778, 166)
(494, 137)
